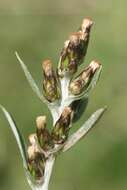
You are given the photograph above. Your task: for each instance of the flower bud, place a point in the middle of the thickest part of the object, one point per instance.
(75, 49)
(32, 139)
(62, 126)
(50, 83)
(83, 80)
(36, 163)
(36, 172)
(31, 152)
(41, 122)
(86, 25)
(43, 135)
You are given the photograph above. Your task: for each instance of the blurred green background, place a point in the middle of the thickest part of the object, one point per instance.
(37, 30)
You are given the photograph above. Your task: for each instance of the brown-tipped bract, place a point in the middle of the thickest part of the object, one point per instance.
(32, 138)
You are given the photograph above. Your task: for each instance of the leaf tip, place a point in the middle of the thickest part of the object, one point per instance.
(17, 56)
(104, 109)
(2, 107)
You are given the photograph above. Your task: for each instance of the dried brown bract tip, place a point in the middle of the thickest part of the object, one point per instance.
(86, 25)
(47, 67)
(32, 152)
(94, 65)
(66, 43)
(41, 122)
(74, 38)
(32, 138)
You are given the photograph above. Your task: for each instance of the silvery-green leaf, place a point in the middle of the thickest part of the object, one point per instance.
(36, 89)
(30, 79)
(17, 134)
(80, 133)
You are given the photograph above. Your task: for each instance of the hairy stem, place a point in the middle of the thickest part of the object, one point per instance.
(48, 171)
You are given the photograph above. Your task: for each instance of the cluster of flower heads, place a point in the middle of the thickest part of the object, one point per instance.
(43, 141)
(72, 55)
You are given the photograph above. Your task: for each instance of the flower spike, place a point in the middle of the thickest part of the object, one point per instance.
(67, 97)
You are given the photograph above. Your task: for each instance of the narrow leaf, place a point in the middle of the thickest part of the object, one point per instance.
(18, 136)
(79, 134)
(30, 79)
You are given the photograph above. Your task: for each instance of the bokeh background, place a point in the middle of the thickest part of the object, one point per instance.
(37, 30)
